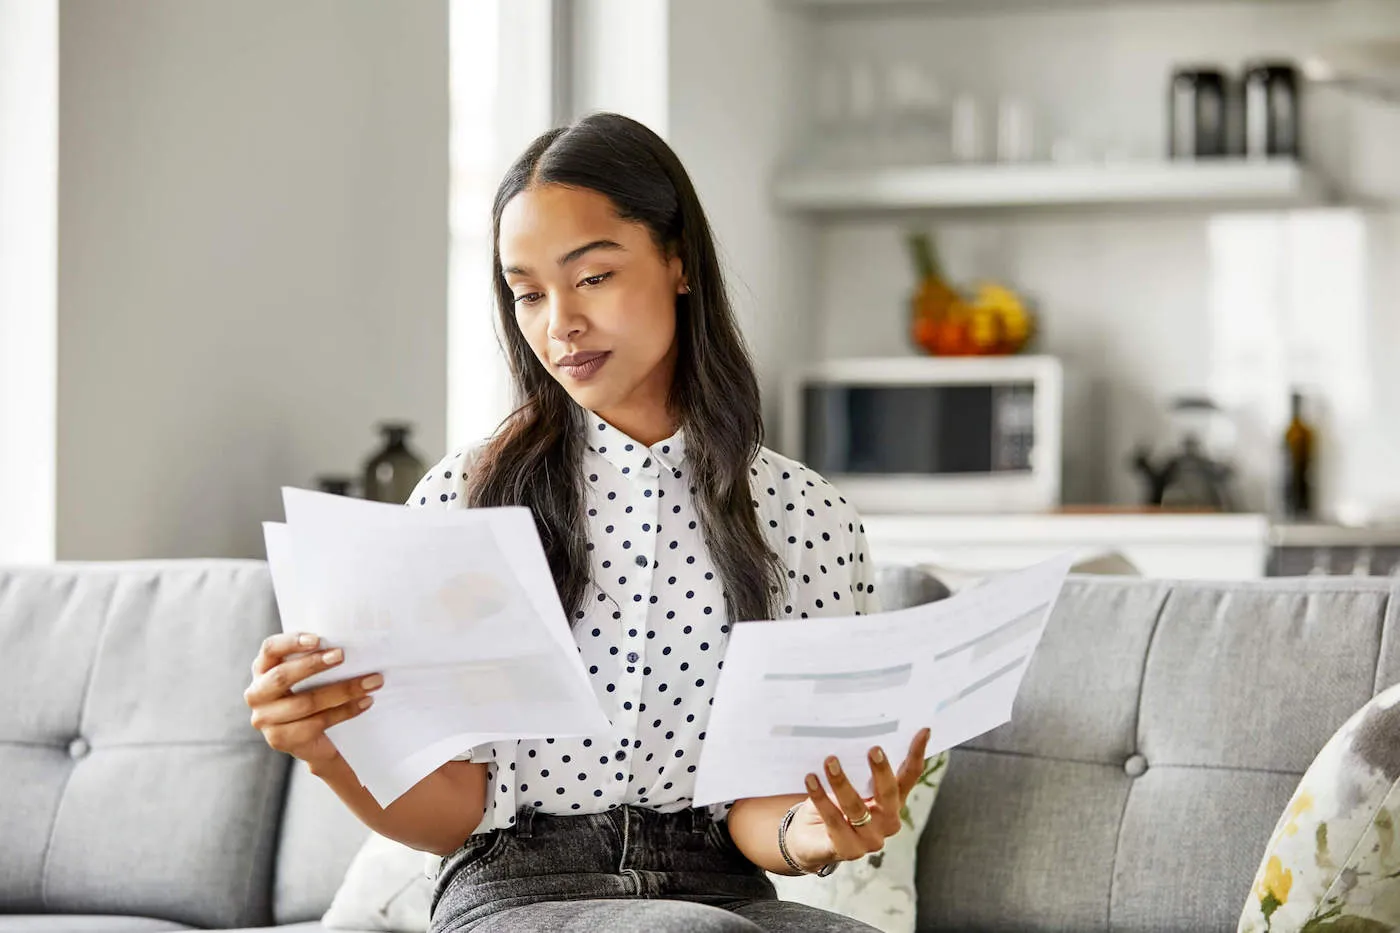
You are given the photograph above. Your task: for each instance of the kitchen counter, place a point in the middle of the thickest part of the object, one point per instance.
(1318, 534)
(1168, 545)
(1317, 548)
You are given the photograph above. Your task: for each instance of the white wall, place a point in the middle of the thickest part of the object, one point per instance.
(732, 100)
(621, 59)
(252, 259)
(28, 277)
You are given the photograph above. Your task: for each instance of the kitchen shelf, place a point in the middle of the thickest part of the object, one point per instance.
(936, 7)
(1214, 184)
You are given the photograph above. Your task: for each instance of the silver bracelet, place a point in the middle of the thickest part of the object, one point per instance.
(787, 856)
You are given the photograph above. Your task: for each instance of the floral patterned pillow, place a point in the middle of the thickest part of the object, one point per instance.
(1333, 863)
(878, 889)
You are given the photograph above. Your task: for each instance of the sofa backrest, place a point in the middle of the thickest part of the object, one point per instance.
(319, 839)
(1160, 731)
(131, 781)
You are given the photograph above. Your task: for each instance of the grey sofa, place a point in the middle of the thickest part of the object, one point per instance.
(1160, 731)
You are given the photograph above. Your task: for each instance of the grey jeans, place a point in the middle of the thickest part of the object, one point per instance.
(629, 869)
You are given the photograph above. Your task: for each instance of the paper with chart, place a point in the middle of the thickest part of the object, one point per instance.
(457, 609)
(796, 691)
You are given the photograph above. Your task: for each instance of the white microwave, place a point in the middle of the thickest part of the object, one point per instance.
(931, 434)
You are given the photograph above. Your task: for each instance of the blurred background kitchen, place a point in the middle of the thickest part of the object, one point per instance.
(1118, 276)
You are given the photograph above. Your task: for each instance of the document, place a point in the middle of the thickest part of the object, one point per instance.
(795, 691)
(459, 612)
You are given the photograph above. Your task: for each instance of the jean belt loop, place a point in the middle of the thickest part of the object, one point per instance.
(525, 822)
(699, 819)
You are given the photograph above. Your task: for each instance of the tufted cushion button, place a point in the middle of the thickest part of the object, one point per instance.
(78, 747)
(1135, 766)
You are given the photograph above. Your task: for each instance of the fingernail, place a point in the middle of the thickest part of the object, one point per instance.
(308, 641)
(924, 734)
(878, 755)
(333, 656)
(373, 682)
(834, 767)
(365, 703)
(813, 784)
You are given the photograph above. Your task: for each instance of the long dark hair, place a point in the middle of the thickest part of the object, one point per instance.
(534, 459)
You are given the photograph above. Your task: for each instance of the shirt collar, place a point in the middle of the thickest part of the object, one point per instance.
(632, 456)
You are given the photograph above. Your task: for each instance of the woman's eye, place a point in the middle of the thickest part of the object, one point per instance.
(529, 299)
(597, 279)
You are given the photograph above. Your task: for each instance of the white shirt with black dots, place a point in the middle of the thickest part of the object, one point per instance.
(653, 630)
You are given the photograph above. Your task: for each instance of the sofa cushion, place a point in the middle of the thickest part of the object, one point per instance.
(1388, 670)
(311, 926)
(1158, 733)
(132, 780)
(84, 923)
(319, 839)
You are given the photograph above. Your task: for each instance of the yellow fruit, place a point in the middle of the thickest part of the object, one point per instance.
(1013, 319)
(985, 329)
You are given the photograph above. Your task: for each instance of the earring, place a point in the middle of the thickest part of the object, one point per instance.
(685, 289)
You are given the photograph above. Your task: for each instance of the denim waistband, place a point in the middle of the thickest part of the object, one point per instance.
(692, 820)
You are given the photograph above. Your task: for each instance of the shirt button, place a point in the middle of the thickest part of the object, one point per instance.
(641, 561)
(620, 755)
(633, 657)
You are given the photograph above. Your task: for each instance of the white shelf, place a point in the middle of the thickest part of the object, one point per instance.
(1273, 183)
(988, 6)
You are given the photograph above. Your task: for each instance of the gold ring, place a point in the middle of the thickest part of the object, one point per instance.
(862, 821)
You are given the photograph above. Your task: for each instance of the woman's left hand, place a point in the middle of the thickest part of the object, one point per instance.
(843, 826)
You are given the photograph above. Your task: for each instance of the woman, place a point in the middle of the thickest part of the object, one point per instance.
(637, 445)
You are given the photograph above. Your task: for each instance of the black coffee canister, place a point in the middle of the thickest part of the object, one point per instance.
(1196, 126)
(1271, 110)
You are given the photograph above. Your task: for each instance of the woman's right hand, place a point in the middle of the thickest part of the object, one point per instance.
(296, 723)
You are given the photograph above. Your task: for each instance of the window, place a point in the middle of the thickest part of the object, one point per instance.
(506, 74)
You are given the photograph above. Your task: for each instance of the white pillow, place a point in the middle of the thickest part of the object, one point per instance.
(387, 887)
(878, 889)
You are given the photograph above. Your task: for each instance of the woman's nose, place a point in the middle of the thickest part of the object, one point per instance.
(565, 322)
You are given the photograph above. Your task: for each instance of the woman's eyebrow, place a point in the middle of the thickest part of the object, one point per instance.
(571, 255)
(578, 251)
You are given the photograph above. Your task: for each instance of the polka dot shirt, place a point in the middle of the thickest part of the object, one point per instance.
(653, 629)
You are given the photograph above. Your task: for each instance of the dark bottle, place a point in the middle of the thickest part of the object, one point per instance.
(391, 474)
(1298, 442)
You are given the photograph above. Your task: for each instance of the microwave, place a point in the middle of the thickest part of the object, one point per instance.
(931, 434)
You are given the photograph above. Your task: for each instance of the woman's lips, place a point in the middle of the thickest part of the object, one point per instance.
(589, 365)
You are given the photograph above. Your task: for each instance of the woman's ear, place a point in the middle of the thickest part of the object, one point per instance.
(678, 273)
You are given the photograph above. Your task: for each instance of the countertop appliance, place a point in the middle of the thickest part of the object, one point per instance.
(931, 434)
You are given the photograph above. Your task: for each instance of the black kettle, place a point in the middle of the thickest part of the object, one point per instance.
(1191, 473)
(1187, 479)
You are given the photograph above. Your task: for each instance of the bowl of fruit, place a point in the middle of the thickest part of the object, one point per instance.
(989, 320)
